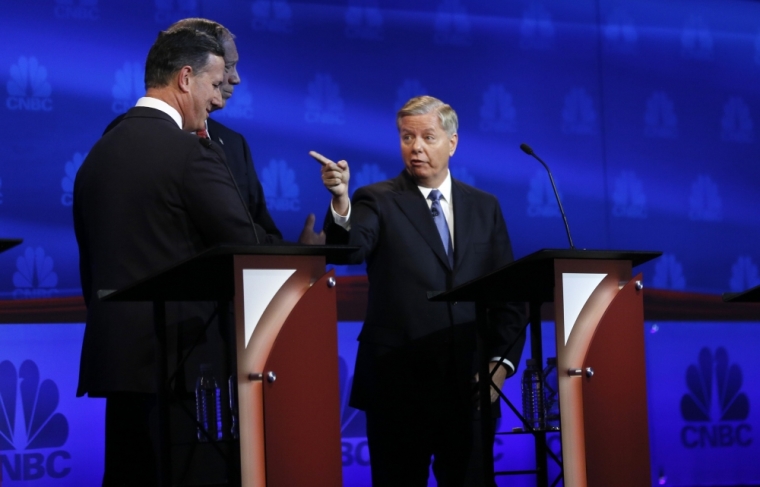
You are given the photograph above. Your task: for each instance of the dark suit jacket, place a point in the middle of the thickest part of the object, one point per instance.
(404, 333)
(147, 196)
(241, 164)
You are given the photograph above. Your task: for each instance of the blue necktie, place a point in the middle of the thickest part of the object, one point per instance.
(441, 224)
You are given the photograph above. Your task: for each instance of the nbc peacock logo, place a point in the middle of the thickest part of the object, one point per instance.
(31, 431)
(280, 186)
(714, 407)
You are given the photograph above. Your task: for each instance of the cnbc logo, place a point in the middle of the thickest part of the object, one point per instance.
(714, 407)
(28, 88)
(31, 431)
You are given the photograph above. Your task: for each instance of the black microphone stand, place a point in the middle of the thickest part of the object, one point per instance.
(526, 148)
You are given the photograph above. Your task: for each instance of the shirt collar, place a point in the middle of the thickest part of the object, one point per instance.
(149, 102)
(444, 188)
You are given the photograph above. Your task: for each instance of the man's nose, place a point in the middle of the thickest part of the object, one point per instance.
(234, 77)
(216, 101)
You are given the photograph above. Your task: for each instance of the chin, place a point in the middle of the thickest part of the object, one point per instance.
(420, 174)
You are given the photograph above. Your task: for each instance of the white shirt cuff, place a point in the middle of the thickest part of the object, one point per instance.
(504, 362)
(343, 221)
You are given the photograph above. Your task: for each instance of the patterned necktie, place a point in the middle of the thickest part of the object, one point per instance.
(441, 224)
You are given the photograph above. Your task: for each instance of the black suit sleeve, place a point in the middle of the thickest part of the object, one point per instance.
(506, 319)
(365, 227)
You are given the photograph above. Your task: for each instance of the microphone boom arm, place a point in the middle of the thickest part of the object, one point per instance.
(527, 149)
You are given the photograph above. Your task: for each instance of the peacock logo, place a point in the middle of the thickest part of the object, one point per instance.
(29, 421)
(714, 403)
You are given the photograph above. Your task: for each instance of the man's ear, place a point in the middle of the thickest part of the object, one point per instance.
(453, 140)
(183, 79)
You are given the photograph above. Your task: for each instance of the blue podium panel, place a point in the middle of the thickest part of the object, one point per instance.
(48, 436)
(704, 398)
(701, 385)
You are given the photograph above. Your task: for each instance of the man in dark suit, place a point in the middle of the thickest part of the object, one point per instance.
(236, 149)
(207, 343)
(415, 367)
(149, 194)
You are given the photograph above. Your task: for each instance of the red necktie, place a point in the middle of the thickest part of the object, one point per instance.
(202, 133)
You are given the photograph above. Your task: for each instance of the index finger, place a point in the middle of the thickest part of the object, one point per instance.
(319, 157)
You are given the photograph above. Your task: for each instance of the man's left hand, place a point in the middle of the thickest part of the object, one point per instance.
(498, 379)
(308, 235)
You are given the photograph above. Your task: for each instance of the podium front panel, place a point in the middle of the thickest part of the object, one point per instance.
(302, 406)
(615, 397)
(584, 290)
(272, 328)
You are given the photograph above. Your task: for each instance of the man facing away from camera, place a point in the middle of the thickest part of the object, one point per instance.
(149, 194)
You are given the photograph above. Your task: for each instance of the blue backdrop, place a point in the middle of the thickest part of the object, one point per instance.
(644, 110)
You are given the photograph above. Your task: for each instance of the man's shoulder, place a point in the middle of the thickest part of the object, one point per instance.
(139, 114)
(147, 130)
(215, 127)
(380, 188)
(148, 113)
(471, 191)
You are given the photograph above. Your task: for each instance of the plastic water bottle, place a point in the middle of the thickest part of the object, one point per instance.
(234, 427)
(551, 394)
(533, 395)
(208, 405)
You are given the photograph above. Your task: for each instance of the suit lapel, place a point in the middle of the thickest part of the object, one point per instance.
(414, 207)
(214, 133)
(463, 221)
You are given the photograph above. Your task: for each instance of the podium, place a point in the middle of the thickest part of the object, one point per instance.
(8, 243)
(287, 356)
(751, 295)
(601, 366)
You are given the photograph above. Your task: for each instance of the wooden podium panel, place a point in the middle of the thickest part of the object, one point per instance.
(615, 398)
(605, 436)
(290, 416)
(302, 407)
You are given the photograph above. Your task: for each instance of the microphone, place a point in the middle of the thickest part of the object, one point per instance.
(526, 148)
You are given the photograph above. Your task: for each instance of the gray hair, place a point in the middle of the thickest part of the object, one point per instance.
(214, 29)
(422, 105)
